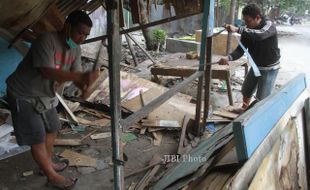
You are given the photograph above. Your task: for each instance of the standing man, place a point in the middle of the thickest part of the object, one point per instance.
(260, 37)
(53, 59)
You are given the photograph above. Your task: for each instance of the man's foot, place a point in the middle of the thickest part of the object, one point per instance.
(61, 182)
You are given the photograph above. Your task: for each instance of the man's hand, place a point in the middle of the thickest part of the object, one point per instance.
(88, 88)
(231, 28)
(223, 61)
(86, 80)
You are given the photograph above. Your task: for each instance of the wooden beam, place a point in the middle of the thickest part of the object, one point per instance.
(142, 27)
(132, 51)
(143, 112)
(144, 51)
(168, 71)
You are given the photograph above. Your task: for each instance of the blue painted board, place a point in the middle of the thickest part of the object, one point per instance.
(9, 60)
(251, 128)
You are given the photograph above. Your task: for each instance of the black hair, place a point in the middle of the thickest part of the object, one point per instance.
(76, 17)
(251, 10)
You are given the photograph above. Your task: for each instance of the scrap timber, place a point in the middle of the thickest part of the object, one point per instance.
(281, 142)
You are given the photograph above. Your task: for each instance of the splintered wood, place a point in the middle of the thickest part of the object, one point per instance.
(160, 123)
(76, 159)
(68, 142)
(174, 109)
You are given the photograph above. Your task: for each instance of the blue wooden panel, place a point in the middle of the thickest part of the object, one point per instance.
(9, 59)
(252, 127)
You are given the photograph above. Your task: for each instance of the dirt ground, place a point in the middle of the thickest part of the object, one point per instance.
(294, 48)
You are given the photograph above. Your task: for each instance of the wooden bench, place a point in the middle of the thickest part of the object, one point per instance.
(221, 72)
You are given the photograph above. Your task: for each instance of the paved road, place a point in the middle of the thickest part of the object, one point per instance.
(295, 52)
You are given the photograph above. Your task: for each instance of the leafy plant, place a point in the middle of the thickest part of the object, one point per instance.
(159, 35)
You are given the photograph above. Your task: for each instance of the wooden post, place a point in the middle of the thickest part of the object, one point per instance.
(208, 75)
(231, 21)
(114, 46)
(205, 26)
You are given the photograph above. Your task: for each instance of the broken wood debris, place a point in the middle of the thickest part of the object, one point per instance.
(76, 159)
(160, 123)
(100, 135)
(226, 114)
(144, 182)
(153, 162)
(68, 142)
(183, 133)
(63, 103)
(157, 138)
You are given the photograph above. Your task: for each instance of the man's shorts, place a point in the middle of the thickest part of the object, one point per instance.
(30, 126)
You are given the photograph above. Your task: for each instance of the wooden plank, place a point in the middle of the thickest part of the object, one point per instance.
(157, 138)
(67, 108)
(95, 113)
(218, 120)
(76, 159)
(100, 122)
(169, 71)
(226, 114)
(160, 123)
(100, 135)
(68, 142)
(282, 173)
(157, 102)
(245, 175)
(88, 135)
(251, 129)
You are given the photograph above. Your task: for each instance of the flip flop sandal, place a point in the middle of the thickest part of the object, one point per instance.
(69, 183)
(63, 162)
